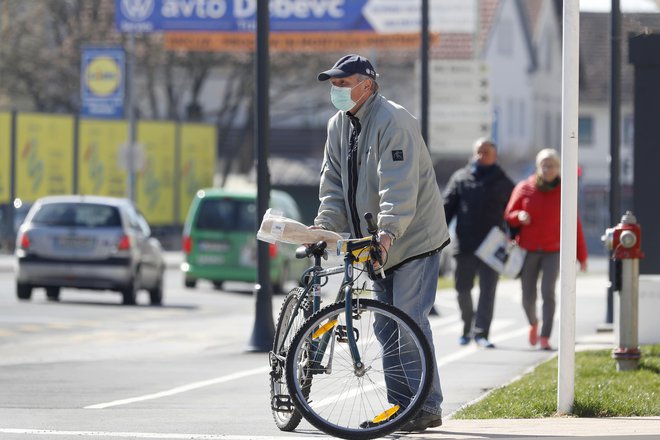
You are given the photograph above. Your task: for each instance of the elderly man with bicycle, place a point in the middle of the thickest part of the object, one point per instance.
(375, 160)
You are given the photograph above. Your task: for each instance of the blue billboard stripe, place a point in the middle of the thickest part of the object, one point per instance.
(238, 15)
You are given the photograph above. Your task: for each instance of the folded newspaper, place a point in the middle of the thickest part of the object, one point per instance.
(275, 227)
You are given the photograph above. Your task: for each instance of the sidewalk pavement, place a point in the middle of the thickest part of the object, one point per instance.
(564, 428)
(636, 428)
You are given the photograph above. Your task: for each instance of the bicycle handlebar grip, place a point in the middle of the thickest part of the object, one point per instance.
(372, 227)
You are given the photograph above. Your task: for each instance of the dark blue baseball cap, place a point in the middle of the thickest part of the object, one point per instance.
(347, 66)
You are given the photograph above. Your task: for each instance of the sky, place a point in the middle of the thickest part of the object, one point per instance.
(625, 5)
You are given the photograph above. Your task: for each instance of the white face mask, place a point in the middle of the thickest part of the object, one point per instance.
(341, 97)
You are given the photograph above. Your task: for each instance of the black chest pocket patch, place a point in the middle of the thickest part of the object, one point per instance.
(397, 155)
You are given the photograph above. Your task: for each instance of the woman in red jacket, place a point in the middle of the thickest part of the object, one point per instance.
(534, 208)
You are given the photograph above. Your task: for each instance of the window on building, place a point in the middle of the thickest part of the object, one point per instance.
(586, 131)
(547, 129)
(628, 130)
(511, 117)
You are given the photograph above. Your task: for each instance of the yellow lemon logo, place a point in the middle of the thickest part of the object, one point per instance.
(103, 76)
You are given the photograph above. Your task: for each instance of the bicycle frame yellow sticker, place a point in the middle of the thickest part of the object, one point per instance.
(386, 414)
(324, 329)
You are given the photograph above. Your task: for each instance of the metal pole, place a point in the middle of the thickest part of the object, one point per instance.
(130, 79)
(568, 238)
(264, 329)
(615, 141)
(425, 72)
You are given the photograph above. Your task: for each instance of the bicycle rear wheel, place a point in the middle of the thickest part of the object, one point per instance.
(364, 401)
(285, 415)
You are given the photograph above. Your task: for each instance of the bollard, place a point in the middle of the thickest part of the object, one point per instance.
(624, 240)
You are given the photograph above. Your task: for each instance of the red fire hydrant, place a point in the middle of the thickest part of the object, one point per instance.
(624, 240)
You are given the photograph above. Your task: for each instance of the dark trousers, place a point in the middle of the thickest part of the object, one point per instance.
(467, 267)
(545, 264)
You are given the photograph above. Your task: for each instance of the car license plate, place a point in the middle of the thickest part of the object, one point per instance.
(213, 246)
(74, 243)
(207, 260)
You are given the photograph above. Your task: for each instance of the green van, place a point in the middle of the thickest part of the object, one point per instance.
(220, 244)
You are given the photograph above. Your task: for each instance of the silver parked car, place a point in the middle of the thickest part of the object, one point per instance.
(88, 242)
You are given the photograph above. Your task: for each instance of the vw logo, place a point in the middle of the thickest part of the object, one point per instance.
(137, 10)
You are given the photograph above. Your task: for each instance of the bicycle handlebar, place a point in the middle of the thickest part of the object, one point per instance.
(372, 227)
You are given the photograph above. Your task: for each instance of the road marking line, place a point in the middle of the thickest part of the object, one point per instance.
(195, 385)
(148, 435)
(474, 348)
(181, 389)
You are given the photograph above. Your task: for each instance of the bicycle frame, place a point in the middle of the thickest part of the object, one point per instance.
(352, 250)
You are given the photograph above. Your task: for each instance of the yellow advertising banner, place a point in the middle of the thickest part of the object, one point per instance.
(197, 162)
(100, 146)
(5, 158)
(293, 41)
(154, 189)
(44, 155)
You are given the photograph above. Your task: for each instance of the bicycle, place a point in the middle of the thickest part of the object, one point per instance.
(357, 368)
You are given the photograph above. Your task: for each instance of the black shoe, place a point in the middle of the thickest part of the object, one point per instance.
(421, 422)
(483, 342)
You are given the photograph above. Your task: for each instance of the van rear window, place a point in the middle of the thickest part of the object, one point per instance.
(226, 215)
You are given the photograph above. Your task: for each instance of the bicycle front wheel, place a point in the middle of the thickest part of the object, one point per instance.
(366, 399)
(285, 415)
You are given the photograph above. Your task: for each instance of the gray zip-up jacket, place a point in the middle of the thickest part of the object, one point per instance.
(395, 181)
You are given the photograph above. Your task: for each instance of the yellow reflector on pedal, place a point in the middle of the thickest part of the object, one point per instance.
(386, 414)
(324, 328)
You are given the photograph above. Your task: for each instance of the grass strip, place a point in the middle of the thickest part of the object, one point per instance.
(600, 390)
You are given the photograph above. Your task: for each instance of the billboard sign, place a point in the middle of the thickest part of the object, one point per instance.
(44, 155)
(5, 157)
(460, 105)
(380, 16)
(102, 82)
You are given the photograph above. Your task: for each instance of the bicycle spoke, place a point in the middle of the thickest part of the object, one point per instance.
(367, 400)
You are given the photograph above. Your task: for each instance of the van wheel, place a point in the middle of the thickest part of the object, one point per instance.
(190, 283)
(217, 285)
(53, 293)
(23, 291)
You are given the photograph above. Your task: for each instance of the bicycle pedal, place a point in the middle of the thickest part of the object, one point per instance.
(342, 333)
(282, 403)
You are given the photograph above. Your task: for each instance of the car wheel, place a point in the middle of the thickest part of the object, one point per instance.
(23, 291)
(156, 294)
(53, 293)
(190, 283)
(129, 293)
(218, 285)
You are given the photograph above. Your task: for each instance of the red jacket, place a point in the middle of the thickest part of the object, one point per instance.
(544, 208)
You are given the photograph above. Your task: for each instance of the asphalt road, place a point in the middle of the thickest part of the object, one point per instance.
(88, 367)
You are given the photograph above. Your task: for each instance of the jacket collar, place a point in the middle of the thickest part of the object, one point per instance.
(366, 108)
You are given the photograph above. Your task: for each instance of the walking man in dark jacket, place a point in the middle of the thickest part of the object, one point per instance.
(477, 196)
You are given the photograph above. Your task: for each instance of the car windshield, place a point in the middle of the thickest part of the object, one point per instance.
(77, 214)
(226, 215)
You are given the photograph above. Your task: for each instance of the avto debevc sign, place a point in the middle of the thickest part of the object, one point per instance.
(239, 15)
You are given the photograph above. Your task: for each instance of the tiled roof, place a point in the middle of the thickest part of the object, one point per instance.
(595, 53)
(459, 46)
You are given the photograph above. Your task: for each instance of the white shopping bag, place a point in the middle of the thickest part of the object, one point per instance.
(501, 254)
